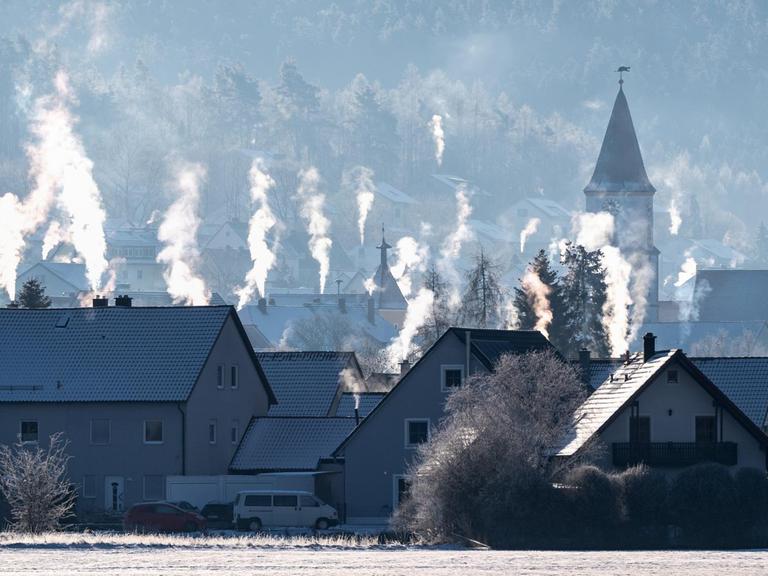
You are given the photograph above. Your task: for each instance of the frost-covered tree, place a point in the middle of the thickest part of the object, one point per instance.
(32, 295)
(487, 471)
(481, 301)
(584, 294)
(761, 245)
(439, 318)
(35, 484)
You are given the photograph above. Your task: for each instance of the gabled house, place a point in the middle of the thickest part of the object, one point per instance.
(377, 453)
(62, 280)
(139, 393)
(660, 409)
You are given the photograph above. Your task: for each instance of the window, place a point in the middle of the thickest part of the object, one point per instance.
(220, 376)
(153, 431)
(402, 490)
(154, 487)
(308, 502)
(212, 432)
(416, 432)
(640, 429)
(28, 432)
(285, 500)
(258, 500)
(671, 376)
(234, 432)
(706, 429)
(139, 274)
(452, 376)
(100, 431)
(165, 509)
(233, 377)
(89, 486)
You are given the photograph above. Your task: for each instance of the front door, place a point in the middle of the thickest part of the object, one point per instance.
(114, 487)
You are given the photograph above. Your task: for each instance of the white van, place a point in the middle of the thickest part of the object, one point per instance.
(256, 509)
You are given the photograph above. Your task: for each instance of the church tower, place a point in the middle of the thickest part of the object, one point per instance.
(620, 186)
(390, 301)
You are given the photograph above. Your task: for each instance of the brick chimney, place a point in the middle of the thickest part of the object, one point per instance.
(585, 361)
(99, 302)
(649, 346)
(262, 305)
(404, 367)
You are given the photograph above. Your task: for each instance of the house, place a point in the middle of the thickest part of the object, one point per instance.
(135, 251)
(316, 409)
(554, 221)
(377, 453)
(659, 408)
(394, 207)
(139, 393)
(62, 280)
(731, 295)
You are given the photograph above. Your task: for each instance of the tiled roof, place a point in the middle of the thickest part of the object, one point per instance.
(305, 383)
(368, 401)
(284, 444)
(743, 380)
(732, 294)
(690, 335)
(606, 401)
(600, 369)
(489, 345)
(391, 193)
(105, 354)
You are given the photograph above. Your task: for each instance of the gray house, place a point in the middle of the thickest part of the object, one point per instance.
(657, 407)
(377, 453)
(139, 393)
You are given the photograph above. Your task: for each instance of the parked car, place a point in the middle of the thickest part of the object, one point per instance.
(184, 505)
(218, 515)
(256, 509)
(161, 517)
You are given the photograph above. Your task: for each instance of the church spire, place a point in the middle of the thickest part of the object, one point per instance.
(383, 248)
(620, 165)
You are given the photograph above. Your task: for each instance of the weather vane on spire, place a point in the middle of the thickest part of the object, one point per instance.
(621, 71)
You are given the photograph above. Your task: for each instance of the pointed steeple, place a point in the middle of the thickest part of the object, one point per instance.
(383, 247)
(389, 294)
(620, 165)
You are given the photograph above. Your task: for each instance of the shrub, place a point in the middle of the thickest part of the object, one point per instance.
(704, 503)
(594, 499)
(752, 494)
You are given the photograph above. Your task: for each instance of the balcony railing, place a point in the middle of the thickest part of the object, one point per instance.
(673, 453)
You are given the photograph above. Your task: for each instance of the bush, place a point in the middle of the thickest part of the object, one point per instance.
(594, 505)
(645, 494)
(704, 504)
(752, 494)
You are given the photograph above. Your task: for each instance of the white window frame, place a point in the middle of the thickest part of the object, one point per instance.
(221, 375)
(234, 377)
(109, 432)
(144, 432)
(235, 427)
(36, 440)
(446, 367)
(213, 427)
(408, 421)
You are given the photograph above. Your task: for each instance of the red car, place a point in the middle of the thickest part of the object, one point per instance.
(161, 517)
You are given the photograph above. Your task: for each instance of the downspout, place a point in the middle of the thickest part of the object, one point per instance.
(183, 438)
(468, 340)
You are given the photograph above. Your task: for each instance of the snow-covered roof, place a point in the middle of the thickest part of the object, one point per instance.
(70, 272)
(367, 402)
(394, 194)
(490, 230)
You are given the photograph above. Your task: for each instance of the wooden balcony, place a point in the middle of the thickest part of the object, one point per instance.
(673, 454)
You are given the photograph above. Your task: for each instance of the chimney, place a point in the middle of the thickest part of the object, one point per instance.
(404, 367)
(123, 301)
(262, 304)
(649, 346)
(13, 305)
(342, 305)
(357, 416)
(99, 302)
(585, 361)
(371, 311)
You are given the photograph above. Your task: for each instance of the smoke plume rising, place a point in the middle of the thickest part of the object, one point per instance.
(178, 231)
(312, 206)
(410, 256)
(538, 292)
(528, 231)
(262, 221)
(618, 299)
(675, 220)
(451, 248)
(415, 316)
(11, 241)
(438, 136)
(365, 196)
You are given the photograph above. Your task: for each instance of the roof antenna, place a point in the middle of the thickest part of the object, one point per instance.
(621, 71)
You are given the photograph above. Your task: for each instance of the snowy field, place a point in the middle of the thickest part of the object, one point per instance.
(134, 556)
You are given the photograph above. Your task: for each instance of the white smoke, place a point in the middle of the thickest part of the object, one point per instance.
(593, 230)
(451, 248)
(687, 270)
(365, 196)
(510, 316)
(529, 230)
(312, 206)
(675, 220)
(538, 292)
(370, 285)
(54, 236)
(62, 170)
(178, 231)
(438, 136)
(262, 221)
(416, 314)
(12, 232)
(618, 299)
(411, 256)
(643, 276)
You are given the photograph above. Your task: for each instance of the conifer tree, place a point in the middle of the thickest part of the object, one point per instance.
(584, 294)
(32, 295)
(439, 318)
(482, 297)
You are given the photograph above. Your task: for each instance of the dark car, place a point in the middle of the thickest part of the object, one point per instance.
(161, 517)
(218, 515)
(184, 505)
